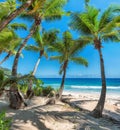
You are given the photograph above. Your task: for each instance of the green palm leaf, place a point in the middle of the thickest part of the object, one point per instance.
(32, 48)
(79, 60)
(17, 26)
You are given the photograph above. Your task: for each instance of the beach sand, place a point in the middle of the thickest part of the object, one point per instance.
(61, 116)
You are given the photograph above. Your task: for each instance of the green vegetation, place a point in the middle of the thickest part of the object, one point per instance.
(93, 27)
(4, 121)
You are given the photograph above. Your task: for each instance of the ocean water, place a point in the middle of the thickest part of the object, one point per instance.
(87, 85)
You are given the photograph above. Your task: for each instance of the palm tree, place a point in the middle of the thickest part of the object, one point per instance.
(67, 50)
(9, 16)
(41, 42)
(95, 29)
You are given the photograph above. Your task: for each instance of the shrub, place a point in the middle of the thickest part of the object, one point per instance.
(23, 88)
(37, 91)
(38, 87)
(47, 90)
(4, 122)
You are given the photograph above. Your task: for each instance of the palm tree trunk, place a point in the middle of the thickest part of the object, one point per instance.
(15, 13)
(6, 57)
(63, 80)
(36, 66)
(15, 63)
(29, 92)
(14, 96)
(97, 112)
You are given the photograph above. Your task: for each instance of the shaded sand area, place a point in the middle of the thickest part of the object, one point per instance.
(61, 116)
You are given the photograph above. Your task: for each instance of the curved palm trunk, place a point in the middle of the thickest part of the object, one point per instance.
(63, 80)
(6, 57)
(36, 65)
(14, 14)
(15, 63)
(13, 88)
(29, 92)
(97, 112)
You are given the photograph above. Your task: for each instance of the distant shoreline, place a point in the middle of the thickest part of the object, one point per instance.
(72, 78)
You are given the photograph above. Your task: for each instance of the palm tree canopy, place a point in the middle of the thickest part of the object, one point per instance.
(91, 24)
(48, 10)
(9, 40)
(6, 8)
(42, 40)
(67, 50)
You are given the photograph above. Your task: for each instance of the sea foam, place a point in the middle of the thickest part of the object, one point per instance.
(93, 87)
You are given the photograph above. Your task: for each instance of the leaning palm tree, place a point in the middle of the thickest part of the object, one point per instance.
(40, 46)
(67, 50)
(95, 29)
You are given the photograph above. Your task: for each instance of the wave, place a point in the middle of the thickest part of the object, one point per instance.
(94, 87)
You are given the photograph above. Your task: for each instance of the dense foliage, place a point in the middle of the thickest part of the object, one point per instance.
(4, 121)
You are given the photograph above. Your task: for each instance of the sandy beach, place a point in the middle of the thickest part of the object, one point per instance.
(38, 116)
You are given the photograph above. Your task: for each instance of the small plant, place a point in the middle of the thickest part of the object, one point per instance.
(37, 91)
(4, 121)
(47, 90)
(23, 88)
(38, 87)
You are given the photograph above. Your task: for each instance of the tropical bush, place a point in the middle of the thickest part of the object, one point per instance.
(4, 121)
(47, 90)
(38, 87)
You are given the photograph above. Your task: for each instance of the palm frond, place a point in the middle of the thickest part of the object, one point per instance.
(111, 25)
(6, 8)
(6, 35)
(57, 47)
(50, 37)
(32, 48)
(111, 36)
(78, 25)
(80, 44)
(17, 26)
(53, 9)
(59, 58)
(79, 60)
(46, 55)
(107, 16)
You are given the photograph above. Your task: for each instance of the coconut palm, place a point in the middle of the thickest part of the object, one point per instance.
(97, 28)
(9, 11)
(41, 42)
(67, 51)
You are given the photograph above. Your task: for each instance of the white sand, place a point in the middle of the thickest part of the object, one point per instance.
(38, 116)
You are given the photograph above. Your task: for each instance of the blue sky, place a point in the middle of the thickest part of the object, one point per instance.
(47, 68)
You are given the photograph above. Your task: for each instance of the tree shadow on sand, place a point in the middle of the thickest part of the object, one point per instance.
(81, 119)
(36, 115)
(21, 117)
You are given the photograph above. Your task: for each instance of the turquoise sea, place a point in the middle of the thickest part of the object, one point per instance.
(87, 85)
